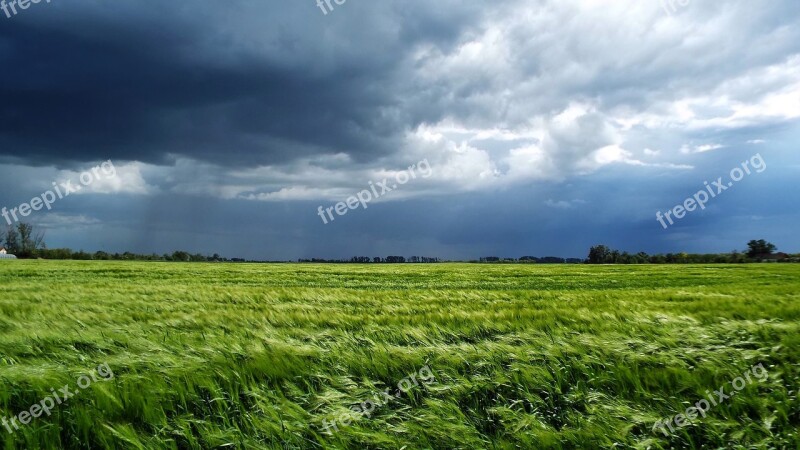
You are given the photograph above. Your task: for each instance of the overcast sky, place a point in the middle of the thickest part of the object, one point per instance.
(549, 126)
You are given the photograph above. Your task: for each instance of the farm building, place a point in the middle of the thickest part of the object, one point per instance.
(4, 254)
(775, 257)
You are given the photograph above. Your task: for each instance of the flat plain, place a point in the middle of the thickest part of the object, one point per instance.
(523, 356)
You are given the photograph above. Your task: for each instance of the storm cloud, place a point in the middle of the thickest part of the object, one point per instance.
(566, 116)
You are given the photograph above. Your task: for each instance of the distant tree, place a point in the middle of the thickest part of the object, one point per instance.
(12, 240)
(658, 259)
(760, 248)
(599, 254)
(82, 255)
(181, 256)
(54, 253)
(29, 240)
(550, 260)
(736, 257)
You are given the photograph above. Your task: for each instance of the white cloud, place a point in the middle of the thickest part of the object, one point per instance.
(688, 148)
(108, 178)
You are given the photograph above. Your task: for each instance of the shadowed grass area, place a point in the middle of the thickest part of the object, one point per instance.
(257, 356)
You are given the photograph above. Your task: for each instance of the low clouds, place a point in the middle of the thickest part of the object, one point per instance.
(273, 102)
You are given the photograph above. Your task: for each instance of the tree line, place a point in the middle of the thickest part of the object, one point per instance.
(757, 251)
(22, 241)
(25, 242)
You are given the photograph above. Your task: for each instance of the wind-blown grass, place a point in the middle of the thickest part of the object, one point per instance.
(256, 356)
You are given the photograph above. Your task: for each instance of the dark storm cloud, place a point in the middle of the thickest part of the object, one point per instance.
(131, 100)
(128, 83)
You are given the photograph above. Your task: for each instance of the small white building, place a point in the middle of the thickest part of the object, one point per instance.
(3, 251)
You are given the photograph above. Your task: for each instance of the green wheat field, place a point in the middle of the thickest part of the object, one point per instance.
(254, 356)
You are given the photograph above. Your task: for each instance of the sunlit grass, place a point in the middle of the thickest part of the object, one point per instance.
(256, 356)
